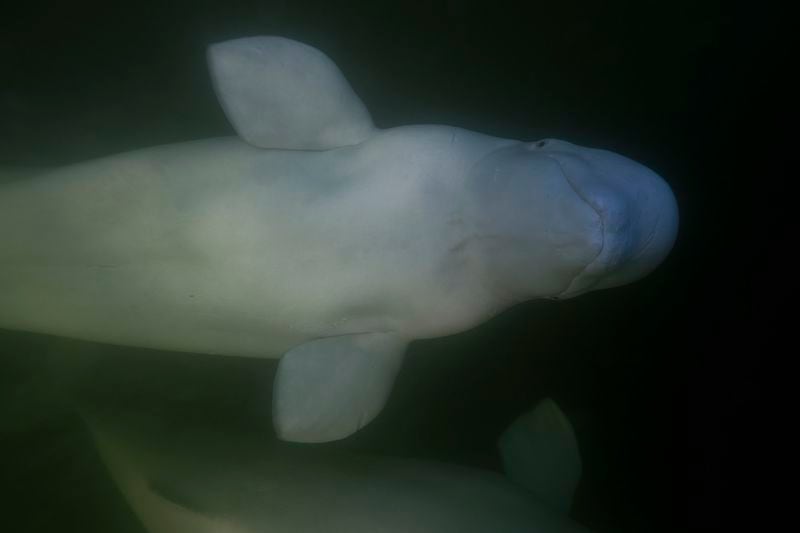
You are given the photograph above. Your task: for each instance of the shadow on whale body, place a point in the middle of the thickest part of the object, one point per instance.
(317, 238)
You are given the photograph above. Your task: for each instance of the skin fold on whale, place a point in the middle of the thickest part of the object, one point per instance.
(317, 238)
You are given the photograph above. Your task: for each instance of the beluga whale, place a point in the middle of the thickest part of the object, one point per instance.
(180, 477)
(315, 237)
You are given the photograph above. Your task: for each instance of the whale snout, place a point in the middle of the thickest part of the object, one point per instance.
(636, 208)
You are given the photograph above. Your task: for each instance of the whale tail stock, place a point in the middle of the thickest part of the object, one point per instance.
(540, 452)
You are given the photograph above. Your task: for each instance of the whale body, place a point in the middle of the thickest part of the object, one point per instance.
(315, 237)
(186, 478)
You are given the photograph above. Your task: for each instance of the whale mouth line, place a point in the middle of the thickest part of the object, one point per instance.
(604, 261)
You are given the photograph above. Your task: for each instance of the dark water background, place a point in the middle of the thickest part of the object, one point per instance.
(644, 371)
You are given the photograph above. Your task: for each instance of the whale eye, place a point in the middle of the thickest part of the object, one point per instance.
(541, 144)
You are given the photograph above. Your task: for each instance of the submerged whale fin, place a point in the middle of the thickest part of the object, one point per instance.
(540, 452)
(329, 388)
(279, 93)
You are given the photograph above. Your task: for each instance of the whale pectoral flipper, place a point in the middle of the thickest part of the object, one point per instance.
(540, 452)
(328, 388)
(278, 93)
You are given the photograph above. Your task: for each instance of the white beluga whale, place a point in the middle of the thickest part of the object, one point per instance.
(315, 237)
(184, 478)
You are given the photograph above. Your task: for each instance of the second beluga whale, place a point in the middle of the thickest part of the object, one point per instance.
(317, 238)
(182, 477)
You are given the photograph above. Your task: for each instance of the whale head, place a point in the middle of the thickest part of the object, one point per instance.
(563, 219)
